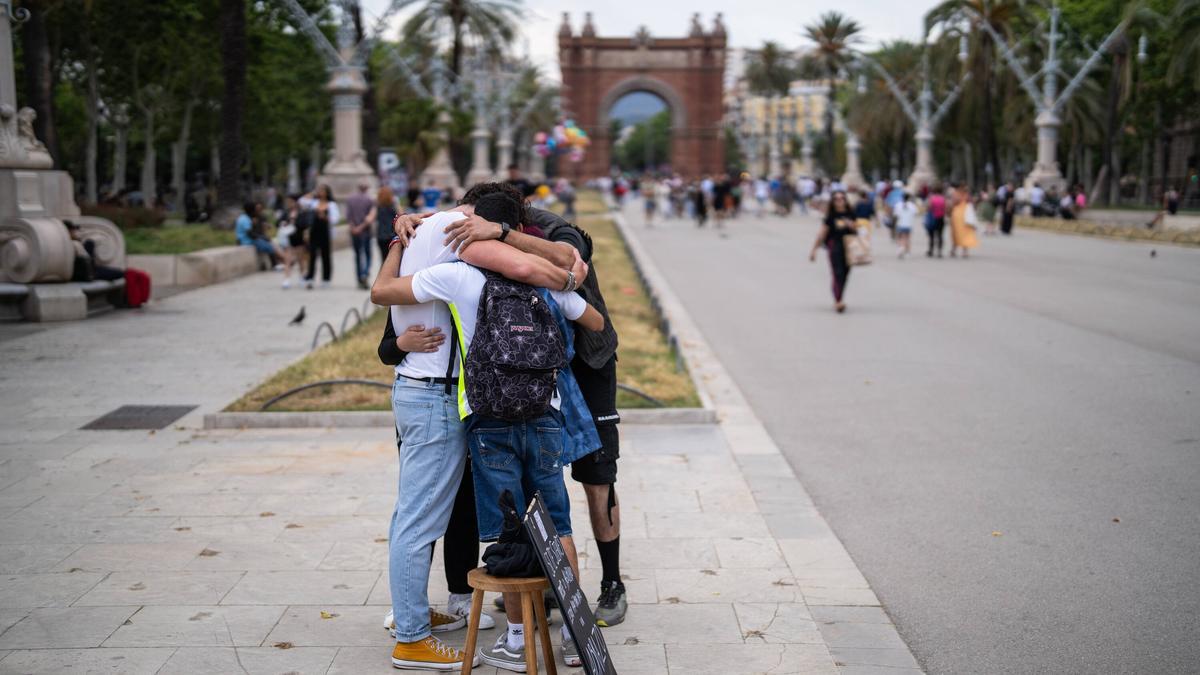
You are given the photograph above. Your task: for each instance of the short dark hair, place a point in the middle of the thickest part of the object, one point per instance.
(480, 190)
(499, 207)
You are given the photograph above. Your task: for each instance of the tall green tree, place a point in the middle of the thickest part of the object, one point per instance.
(648, 144)
(1185, 45)
(492, 22)
(770, 69)
(1001, 16)
(37, 36)
(233, 106)
(834, 36)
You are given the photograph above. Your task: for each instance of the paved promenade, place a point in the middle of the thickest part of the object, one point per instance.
(1007, 445)
(263, 551)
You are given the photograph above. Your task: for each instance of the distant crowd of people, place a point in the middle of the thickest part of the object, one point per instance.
(293, 233)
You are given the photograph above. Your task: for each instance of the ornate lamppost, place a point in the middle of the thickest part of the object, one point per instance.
(1048, 102)
(924, 117)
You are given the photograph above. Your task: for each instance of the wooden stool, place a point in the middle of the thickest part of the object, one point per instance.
(532, 608)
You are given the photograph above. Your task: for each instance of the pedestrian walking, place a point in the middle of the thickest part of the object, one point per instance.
(649, 200)
(700, 200)
(838, 224)
(325, 216)
(962, 222)
(1008, 209)
(906, 218)
(987, 212)
(566, 194)
(290, 238)
(383, 214)
(358, 208)
(935, 221)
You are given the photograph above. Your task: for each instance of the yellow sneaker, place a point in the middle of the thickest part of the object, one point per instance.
(428, 654)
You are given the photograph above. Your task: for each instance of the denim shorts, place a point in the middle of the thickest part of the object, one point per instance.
(525, 457)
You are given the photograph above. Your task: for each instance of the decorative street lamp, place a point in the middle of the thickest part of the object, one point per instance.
(924, 117)
(1048, 102)
(347, 83)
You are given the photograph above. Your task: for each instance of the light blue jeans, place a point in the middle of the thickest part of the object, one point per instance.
(433, 452)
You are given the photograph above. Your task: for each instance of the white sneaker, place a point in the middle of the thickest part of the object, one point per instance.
(278, 267)
(462, 608)
(325, 284)
(287, 283)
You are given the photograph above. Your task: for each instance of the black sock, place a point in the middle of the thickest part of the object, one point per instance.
(610, 559)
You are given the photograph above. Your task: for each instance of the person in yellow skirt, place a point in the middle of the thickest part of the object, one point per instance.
(962, 228)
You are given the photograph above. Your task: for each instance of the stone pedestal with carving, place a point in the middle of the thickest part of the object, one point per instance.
(1045, 170)
(37, 254)
(348, 167)
(853, 178)
(440, 172)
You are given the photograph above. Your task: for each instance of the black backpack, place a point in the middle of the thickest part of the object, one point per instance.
(513, 361)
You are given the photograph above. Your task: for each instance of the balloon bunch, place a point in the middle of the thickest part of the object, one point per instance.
(566, 138)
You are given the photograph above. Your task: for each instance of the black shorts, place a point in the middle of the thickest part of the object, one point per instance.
(599, 467)
(599, 387)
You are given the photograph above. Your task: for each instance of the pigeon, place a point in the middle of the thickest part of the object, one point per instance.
(298, 319)
(1153, 253)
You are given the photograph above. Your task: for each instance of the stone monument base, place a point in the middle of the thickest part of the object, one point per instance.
(70, 301)
(345, 177)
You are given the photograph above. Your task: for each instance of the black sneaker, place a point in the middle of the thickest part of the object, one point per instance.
(610, 608)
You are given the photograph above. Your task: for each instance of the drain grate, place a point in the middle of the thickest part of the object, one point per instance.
(140, 417)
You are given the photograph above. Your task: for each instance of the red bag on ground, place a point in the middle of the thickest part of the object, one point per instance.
(137, 287)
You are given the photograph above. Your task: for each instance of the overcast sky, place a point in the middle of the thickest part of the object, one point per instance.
(749, 22)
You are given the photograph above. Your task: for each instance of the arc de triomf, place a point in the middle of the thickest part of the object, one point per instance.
(687, 73)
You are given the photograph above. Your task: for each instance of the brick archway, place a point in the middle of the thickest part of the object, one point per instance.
(688, 73)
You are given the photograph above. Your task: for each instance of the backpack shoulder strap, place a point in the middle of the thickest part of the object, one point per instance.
(456, 340)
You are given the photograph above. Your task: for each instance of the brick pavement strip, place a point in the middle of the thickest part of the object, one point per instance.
(190, 551)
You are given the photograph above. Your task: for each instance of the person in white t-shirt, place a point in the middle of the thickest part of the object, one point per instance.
(906, 218)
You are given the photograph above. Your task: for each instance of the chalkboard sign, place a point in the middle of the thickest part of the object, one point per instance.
(571, 602)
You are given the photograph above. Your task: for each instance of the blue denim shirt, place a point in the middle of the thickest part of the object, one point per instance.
(579, 427)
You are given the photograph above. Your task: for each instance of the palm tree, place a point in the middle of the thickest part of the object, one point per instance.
(875, 115)
(834, 36)
(493, 22)
(233, 107)
(1186, 49)
(1000, 15)
(770, 70)
(1120, 91)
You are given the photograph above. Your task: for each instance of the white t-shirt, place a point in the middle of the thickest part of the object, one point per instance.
(425, 250)
(906, 215)
(462, 284)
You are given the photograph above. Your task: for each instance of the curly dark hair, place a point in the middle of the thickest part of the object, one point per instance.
(479, 190)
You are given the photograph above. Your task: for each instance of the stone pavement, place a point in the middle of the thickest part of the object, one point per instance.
(265, 551)
(191, 551)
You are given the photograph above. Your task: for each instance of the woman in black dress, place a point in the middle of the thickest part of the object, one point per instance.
(839, 222)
